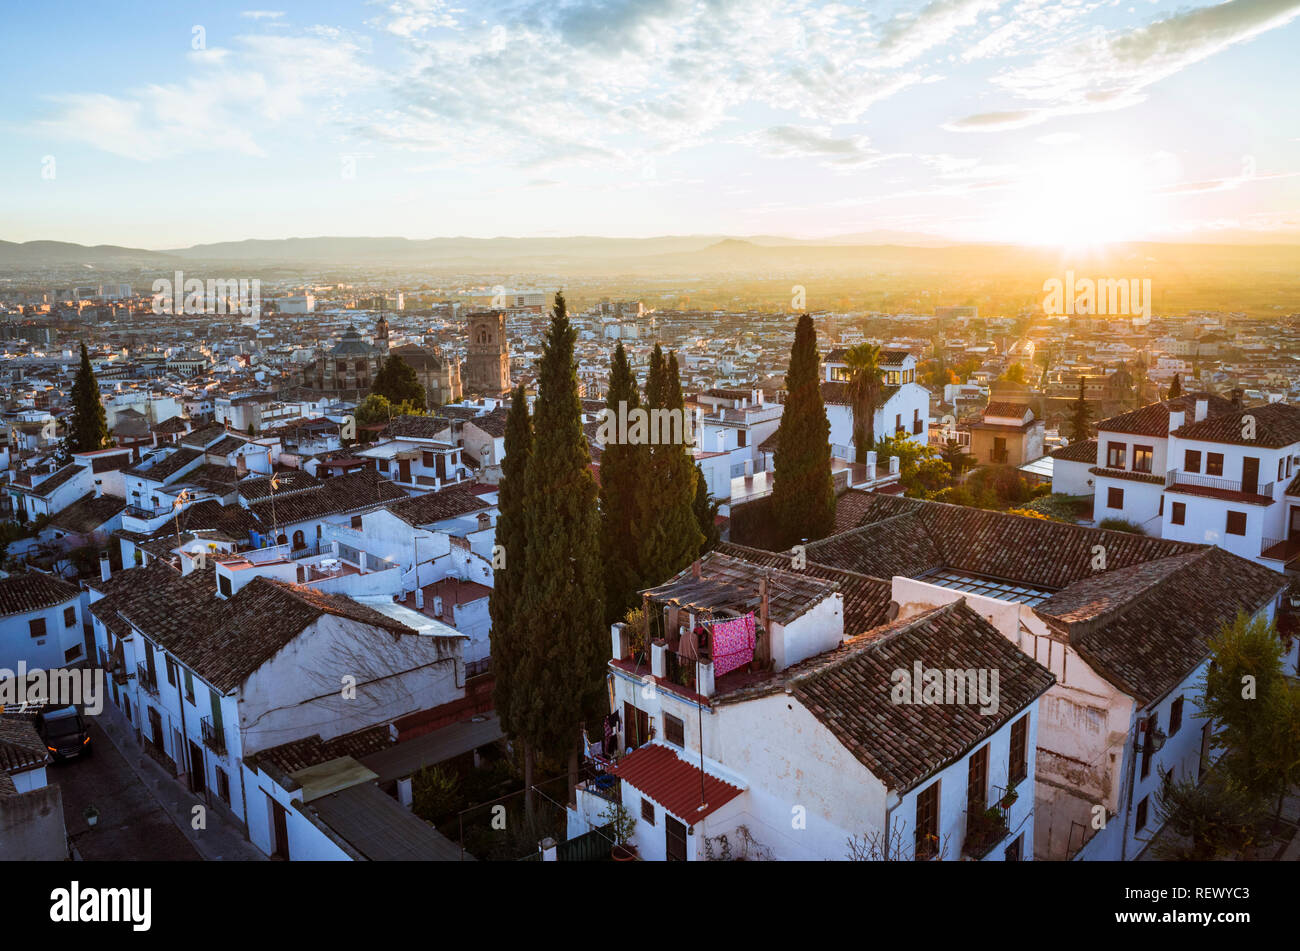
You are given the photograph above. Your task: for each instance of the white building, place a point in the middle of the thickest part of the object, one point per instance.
(40, 622)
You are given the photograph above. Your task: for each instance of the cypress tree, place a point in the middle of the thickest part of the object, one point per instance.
(507, 581)
(1175, 388)
(803, 489)
(623, 470)
(561, 674)
(1080, 427)
(89, 424)
(706, 512)
(397, 382)
(670, 533)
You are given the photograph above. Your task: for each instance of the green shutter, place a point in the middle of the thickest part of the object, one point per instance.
(216, 710)
(189, 684)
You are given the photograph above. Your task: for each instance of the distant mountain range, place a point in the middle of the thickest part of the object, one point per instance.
(668, 254)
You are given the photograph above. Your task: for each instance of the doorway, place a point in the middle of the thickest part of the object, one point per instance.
(196, 769)
(280, 831)
(674, 839)
(1250, 475)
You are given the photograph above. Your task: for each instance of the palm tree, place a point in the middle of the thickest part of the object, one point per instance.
(958, 459)
(866, 380)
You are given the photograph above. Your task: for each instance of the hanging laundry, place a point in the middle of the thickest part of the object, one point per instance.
(733, 644)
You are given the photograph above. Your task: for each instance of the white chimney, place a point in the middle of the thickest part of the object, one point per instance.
(437, 605)
(893, 465)
(105, 569)
(749, 468)
(419, 599)
(1202, 409)
(871, 466)
(1176, 419)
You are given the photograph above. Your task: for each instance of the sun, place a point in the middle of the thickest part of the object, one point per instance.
(1078, 202)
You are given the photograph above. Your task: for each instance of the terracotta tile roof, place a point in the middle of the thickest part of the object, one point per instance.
(110, 463)
(851, 693)
(1045, 554)
(663, 777)
(1147, 627)
(88, 513)
(1127, 474)
(33, 591)
(866, 599)
(1012, 410)
(1084, 451)
(727, 583)
(62, 477)
(1276, 425)
(312, 750)
(200, 438)
(226, 445)
(218, 479)
(353, 491)
(1294, 488)
(417, 427)
(435, 506)
(161, 468)
(21, 747)
(836, 393)
(1153, 419)
(493, 423)
(295, 480)
(898, 545)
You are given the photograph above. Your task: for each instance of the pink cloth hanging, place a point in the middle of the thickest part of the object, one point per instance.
(733, 644)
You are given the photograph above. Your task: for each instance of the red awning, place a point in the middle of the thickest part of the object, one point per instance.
(661, 775)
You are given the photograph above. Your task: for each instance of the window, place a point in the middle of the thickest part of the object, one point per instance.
(1142, 458)
(69, 616)
(223, 585)
(1281, 467)
(1214, 463)
(891, 378)
(1114, 498)
(1013, 852)
(1115, 452)
(171, 671)
(674, 730)
(223, 785)
(1236, 523)
(1178, 515)
(356, 522)
(927, 822)
(427, 459)
(71, 654)
(1018, 758)
(1192, 460)
(189, 686)
(36, 626)
(1140, 823)
(647, 811)
(977, 781)
(1175, 716)
(742, 438)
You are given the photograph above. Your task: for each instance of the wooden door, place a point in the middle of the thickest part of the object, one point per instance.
(280, 825)
(196, 768)
(1250, 474)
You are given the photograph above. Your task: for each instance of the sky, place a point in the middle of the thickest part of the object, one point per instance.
(163, 125)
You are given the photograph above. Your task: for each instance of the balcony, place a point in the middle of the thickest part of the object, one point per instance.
(311, 551)
(148, 511)
(147, 680)
(984, 830)
(1197, 484)
(213, 738)
(1284, 550)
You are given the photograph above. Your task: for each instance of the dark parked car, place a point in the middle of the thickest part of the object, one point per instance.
(64, 732)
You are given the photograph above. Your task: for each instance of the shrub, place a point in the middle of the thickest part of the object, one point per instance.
(1121, 525)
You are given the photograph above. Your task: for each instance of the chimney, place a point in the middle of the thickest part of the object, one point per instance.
(871, 466)
(419, 599)
(105, 569)
(1202, 409)
(695, 569)
(749, 469)
(484, 521)
(437, 605)
(1176, 419)
(893, 465)
(1237, 394)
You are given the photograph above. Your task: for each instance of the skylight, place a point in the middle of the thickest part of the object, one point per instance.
(987, 587)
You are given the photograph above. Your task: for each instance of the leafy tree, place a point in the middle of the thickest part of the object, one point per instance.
(562, 605)
(922, 470)
(803, 490)
(1175, 388)
(706, 512)
(89, 424)
(1080, 417)
(377, 409)
(623, 472)
(669, 535)
(397, 382)
(507, 632)
(1206, 821)
(1256, 712)
(1014, 373)
(866, 381)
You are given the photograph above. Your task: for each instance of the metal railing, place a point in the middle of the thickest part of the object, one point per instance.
(147, 681)
(310, 551)
(1176, 477)
(213, 738)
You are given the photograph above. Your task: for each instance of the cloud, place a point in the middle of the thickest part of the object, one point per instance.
(1109, 70)
(806, 142)
(262, 14)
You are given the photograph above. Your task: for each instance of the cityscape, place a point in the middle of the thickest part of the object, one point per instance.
(639, 432)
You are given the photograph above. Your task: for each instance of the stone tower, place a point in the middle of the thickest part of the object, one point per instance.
(381, 332)
(487, 366)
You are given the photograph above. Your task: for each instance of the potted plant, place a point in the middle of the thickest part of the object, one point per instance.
(91, 815)
(621, 826)
(1009, 799)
